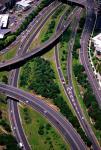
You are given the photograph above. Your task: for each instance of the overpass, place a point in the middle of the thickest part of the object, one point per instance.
(59, 121)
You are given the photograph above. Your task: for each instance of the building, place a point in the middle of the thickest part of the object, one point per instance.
(24, 4)
(4, 20)
(97, 44)
(3, 25)
(4, 32)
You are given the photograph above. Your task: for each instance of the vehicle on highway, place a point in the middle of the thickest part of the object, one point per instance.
(20, 145)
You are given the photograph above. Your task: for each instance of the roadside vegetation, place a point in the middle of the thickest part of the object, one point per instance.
(96, 61)
(9, 54)
(7, 140)
(4, 57)
(84, 91)
(88, 96)
(38, 76)
(63, 50)
(4, 77)
(40, 133)
(52, 25)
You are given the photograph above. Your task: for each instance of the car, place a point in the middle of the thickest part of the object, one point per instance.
(20, 145)
(63, 81)
(14, 128)
(82, 118)
(45, 111)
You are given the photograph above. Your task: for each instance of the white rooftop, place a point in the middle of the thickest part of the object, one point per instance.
(97, 41)
(3, 32)
(24, 3)
(3, 20)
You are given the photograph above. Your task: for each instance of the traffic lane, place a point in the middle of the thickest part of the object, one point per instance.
(18, 122)
(16, 125)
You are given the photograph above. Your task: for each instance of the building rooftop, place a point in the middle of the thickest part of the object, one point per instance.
(97, 38)
(97, 42)
(3, 32)
(24, 3)
(3, 20)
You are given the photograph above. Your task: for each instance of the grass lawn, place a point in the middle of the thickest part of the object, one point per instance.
(10, 54)
(50, 139)
(4, 110)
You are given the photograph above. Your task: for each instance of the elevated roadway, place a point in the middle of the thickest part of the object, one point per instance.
(80, 2)
(16, 61)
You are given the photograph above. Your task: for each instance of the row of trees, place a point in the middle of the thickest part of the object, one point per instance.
(89, 99)
(9, 141)
(43, 129)
(12, 36)
(76, 46)
(77, 39)
(27, 117)
(5, 125)
(52, 24)
(38, 76)
(88, 96)
(3, 98)
(64, 50)
(4, 78)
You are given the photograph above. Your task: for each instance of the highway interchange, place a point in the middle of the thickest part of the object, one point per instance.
(60, 123)
(15, 102)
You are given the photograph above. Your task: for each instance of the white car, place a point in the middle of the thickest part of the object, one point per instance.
(20, 145)
(82, 118)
